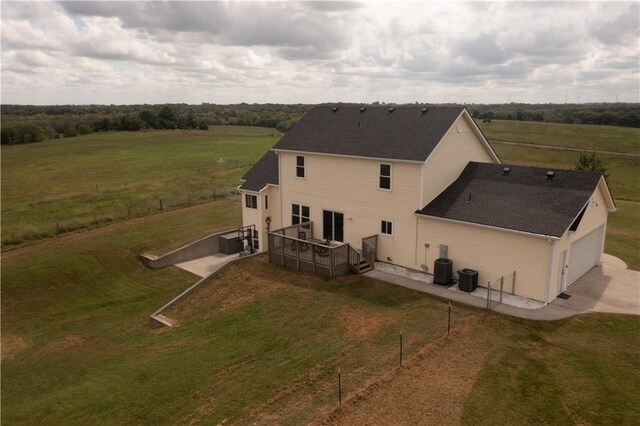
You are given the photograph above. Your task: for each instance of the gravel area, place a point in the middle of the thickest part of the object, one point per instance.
(404, 272)
(507, 299)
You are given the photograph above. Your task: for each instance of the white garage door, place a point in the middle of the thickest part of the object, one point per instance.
(583, 255)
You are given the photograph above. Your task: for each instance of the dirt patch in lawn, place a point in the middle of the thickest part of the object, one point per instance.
(431, 389)
(11, 343)
(71, 341)
(361, 323)
(236, 286)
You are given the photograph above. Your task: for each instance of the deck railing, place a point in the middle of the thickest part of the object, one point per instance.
(294, 247)
(370, 248)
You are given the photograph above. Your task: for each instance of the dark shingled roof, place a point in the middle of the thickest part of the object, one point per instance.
(406, 133)
(522, 200)
(263, 172)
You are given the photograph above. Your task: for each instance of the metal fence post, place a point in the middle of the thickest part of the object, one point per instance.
(339, 388)
(501, 287)
(513, 283)
(488, 295)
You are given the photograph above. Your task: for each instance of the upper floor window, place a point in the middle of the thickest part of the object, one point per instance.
(299, 166)
(386, 227)
(385, 176)
(251, 201)
(299, 214)
(266, 202)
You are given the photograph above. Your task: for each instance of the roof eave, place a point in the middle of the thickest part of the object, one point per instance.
(485, 141)
(531, 234)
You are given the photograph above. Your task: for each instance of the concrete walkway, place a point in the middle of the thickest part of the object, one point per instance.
(609, 288)
(205, 266)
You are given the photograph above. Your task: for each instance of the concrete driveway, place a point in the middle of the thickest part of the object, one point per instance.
(610, 287)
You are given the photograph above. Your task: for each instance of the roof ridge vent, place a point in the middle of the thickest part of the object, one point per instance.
(363, 109)
(334, 109)
(392, 109)
(505, 171)
(550, 175)
(424, 110)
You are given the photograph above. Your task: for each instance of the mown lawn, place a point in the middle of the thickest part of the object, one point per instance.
(71, 183)
(262, 344)
(623, 230)
(580, 136)
(77, 347)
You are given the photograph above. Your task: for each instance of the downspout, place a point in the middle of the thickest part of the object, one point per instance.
(280, 182)
(552, 255)
(416, 247)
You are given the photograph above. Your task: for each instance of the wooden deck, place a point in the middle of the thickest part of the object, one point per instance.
(295, 247)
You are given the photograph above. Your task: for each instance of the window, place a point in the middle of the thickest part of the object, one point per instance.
(266, 202)
(386, 227)
(299, 214)
(300, 166)
(251, 201)
(385, 176)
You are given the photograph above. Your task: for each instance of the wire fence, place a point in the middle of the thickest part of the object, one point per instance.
(105, 207)
(56, 208)
(497, 288)
(327, 388)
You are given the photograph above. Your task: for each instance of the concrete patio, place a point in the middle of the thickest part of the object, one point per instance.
(607, 288)
(207, 265)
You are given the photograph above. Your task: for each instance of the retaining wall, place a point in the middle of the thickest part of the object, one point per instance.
(204, 247)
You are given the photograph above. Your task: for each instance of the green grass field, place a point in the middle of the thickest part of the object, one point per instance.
(67, 184)
(580, 136)
(262, 343)
(77, 349)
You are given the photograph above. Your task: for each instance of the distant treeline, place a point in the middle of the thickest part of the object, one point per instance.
(612, 114)
(31, 123)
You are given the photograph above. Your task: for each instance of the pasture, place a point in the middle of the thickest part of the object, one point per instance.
(580, 136)
(66, 184)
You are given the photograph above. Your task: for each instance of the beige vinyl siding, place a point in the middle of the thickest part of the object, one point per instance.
(594, 217)
(273, 212)
(492, 252)
(350, 186)
(258, 216)
(459, 146)
(251, 216)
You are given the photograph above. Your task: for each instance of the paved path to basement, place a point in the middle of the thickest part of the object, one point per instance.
(607, 288)
(205, 266)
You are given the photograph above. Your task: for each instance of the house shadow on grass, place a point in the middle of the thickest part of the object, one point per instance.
(353, 286)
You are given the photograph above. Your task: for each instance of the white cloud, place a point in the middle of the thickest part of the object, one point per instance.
(135, 52)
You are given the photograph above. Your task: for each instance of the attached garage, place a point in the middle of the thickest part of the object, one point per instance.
(547, 226)
(584, 254)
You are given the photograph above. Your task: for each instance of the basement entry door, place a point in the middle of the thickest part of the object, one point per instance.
(584, 255)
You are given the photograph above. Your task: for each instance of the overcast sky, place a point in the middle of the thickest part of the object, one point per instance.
(311, 52)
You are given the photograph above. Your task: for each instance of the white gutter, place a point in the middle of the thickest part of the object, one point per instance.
(531, 234)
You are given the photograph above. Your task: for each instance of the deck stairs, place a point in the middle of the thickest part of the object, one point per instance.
(364, 266)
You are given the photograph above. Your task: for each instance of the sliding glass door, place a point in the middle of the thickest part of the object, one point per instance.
(332, 226)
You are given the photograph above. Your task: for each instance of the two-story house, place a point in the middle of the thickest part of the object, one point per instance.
(427, 184)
